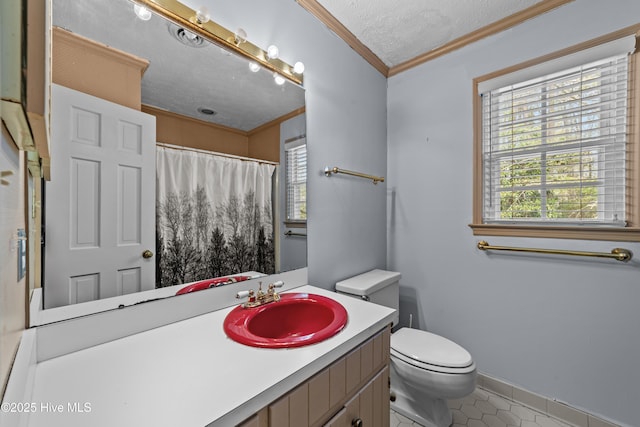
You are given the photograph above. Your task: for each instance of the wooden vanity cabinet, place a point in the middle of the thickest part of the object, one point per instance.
(353, 391)
(367, 408)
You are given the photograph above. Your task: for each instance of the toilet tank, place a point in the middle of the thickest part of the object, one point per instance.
(378, 286)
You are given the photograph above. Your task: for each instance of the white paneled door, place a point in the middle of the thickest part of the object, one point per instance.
(100, 202)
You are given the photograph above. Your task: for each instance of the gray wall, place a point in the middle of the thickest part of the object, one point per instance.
(346, 127)
(568, 329)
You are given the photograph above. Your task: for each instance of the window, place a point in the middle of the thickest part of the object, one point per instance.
(296, 180)
(555, 147)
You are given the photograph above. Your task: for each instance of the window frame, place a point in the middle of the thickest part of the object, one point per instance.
(629, 233)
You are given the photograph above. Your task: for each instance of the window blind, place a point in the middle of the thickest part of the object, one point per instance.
(296, 181)
(554, 147)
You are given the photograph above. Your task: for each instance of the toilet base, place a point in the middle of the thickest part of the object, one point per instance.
(431, 412)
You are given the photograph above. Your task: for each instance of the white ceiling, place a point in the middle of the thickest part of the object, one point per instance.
(397, 31)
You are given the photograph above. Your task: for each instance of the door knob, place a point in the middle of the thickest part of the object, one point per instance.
(356, 422)
(147, 254)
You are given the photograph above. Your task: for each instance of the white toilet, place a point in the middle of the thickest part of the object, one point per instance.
(426, 368)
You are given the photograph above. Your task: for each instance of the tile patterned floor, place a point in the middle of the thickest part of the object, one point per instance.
(485, 409)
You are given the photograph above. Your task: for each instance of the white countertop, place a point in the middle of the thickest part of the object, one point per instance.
(188, 373)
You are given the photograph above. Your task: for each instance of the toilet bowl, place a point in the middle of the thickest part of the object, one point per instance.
(426, 369)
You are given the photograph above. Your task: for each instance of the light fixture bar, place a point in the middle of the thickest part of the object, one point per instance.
(186, 17)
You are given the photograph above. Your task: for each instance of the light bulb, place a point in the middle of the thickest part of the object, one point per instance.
(254, 67)
(298, 67)
(278, 79)
(240, 36)
(273, 52)
(142, 12)
(202, 15)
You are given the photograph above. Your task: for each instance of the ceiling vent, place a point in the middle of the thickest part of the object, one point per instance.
(185, 37)
(206, 111)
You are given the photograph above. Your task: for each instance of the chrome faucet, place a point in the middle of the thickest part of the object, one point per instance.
(256, 299)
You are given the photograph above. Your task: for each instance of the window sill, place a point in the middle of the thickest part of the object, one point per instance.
(627, 234)
(295, 224)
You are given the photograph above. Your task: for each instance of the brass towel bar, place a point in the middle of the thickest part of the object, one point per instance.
(291, 233)
(376, 179)
(618, 254)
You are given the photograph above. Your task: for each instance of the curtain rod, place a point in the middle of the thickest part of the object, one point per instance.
(215, 153)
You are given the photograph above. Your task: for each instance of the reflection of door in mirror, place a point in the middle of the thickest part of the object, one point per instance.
(252, 116)
(96, 234)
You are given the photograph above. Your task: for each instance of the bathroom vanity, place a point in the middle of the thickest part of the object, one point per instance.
(189, 373)
(352, 391)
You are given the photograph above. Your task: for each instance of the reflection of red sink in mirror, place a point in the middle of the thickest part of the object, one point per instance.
(296, 320)
(211, 283)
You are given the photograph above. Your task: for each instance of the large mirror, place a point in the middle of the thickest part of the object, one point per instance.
(192, 81)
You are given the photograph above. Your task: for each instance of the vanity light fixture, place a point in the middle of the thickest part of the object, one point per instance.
(199, 23)
(142, 12)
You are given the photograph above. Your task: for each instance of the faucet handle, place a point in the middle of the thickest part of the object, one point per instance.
(242, 294)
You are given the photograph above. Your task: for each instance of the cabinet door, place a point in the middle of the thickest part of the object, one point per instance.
(348, 415)
(292, 410)
(368, 408)
(374, 401)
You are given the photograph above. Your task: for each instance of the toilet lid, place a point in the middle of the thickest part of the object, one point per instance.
(425, 347)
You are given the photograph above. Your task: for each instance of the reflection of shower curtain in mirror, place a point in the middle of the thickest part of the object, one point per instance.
(214, 216)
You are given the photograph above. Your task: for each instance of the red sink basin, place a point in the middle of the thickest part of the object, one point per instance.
(298, 319)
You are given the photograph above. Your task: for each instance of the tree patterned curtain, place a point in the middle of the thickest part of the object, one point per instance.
(213, 216)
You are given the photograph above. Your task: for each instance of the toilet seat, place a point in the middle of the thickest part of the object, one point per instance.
(431, 352)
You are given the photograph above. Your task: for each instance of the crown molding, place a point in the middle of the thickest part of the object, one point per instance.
(317, 10)
(330, 21)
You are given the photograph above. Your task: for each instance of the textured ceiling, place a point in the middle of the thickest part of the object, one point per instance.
(397, 31)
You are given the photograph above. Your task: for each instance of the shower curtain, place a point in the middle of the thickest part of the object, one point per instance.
(213, 216)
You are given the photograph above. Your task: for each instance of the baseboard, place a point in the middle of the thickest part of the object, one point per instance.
(551, 407)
